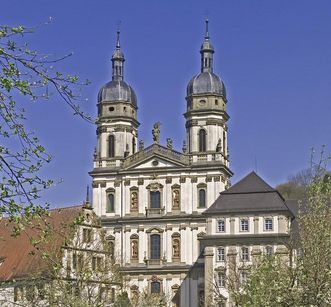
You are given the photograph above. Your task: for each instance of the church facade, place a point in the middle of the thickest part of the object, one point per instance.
(151, 199)
(166, 213)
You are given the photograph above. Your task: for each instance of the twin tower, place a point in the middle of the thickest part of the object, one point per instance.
(206, 117)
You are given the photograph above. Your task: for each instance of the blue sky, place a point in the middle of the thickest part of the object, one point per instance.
(273, 56)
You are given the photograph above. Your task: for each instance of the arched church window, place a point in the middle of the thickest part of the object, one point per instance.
(202, 198)
(155, 199)
(202, 140)
(224, 143)
(111, 146)
(155, 246)
(133, 145)
(110, 203)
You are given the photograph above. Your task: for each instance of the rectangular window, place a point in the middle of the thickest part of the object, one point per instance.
(110, 203)
(244, 225)
(155, 245)
(243, 277)
(155, 199)
(244, 254)
(96, 263)
(221, 254)
(87, 235)
(269, 251)
(220, 226)
(221, 280)
(268, 224)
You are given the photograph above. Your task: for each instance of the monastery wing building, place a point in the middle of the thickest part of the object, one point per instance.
(151, 199)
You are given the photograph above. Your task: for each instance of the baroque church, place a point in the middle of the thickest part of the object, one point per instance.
(172, 220)
(151, 199)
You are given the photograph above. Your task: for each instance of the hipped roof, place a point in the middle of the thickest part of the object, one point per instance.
(250, 194)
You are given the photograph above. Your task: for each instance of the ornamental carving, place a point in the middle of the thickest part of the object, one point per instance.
(140, 181)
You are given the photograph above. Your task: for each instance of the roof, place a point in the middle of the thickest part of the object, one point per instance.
(206, 83)
(20, 259)
(250, 194)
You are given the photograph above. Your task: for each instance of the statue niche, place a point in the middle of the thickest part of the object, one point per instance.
(175, 199)
(176, 247)
(134, 249)
(134, 201)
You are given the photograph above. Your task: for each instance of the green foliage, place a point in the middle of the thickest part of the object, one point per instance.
(26, 76)
(122, 300)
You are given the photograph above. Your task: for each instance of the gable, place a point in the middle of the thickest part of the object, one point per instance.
(163, 157)
(155, 162)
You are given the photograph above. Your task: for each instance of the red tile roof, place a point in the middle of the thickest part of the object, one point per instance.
(19, 258)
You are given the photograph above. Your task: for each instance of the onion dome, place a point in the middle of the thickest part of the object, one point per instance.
(206, 82)
(117, 89)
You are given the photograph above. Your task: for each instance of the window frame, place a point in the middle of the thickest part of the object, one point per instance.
(202, 140)
(267, 225)
(243, 255)
(111, 146)
(242, 226)
(220, 257)
(151, 249)
(269, 250)
(218, 225)
(110, 208)
(221, 277)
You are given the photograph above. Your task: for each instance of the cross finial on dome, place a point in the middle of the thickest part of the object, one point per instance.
(207, 33)
(118, 45)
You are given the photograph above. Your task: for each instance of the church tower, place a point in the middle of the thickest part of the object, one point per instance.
(117, 117)
(206, 114)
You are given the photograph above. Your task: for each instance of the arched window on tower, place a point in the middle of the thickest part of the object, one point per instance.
(202, 140)
(133, 145)
(110, 203)
(111, 146)
(202, 198)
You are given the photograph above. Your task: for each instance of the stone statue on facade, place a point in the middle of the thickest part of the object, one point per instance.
(219, 146)
(134, 248)
(175, 198)
(169, 143)
(141, 145)
(184, 148)
(156, 133)
(176, 248)
(134, 200)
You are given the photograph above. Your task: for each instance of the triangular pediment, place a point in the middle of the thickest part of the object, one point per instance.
(155, 156)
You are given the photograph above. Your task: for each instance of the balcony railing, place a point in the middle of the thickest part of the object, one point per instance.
(154, 211)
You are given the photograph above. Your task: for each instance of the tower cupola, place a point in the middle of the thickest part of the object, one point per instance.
(206, 82)
(117, 90)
